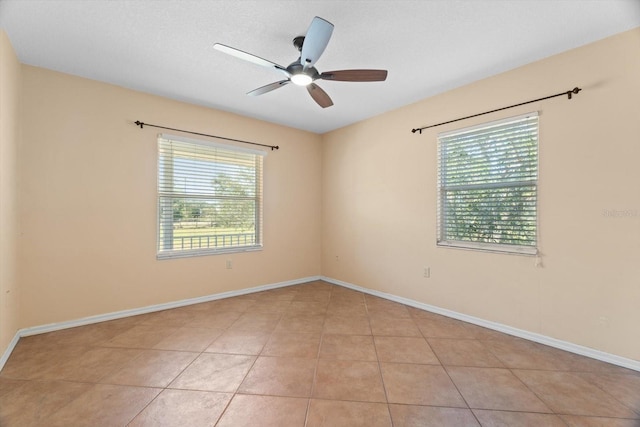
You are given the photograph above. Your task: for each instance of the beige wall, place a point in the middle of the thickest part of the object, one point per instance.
(379, 202)
(9, 120)
(88, 203)
(357, 204)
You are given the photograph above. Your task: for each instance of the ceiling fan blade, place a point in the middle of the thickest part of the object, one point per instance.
(319, 95)
(315, 41)
(268, 88)
(249, 57)
(355, 75)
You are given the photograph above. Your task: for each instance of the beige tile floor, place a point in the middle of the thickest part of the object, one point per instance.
(308, 355)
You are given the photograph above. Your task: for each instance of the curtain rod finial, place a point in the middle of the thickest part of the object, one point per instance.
(139, 123)
(574, 91)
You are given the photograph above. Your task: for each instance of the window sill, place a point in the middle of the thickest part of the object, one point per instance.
(199, 252)
(490, 247)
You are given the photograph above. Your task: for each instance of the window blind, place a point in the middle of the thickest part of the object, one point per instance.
(487, 178)
(209, 197)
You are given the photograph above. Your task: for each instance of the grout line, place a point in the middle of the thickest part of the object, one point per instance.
(634, 410)
(145, 406)
(375, 348)
(446, 371)
(235, 392)
(315, 371)
(528, 388)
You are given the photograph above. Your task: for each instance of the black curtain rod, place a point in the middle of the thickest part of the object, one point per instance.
(142, 124)
(567, 93)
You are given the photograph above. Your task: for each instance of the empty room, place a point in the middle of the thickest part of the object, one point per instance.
(319, 213)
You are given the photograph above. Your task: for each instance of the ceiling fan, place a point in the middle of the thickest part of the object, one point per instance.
(302, 71)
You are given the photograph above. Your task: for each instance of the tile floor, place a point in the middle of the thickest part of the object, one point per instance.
(308, 355)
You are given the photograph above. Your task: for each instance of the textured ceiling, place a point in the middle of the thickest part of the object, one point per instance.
(165, 47)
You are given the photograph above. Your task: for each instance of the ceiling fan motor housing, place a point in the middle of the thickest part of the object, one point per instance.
(297, 68)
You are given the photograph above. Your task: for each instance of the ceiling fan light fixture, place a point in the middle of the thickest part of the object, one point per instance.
(301, 79)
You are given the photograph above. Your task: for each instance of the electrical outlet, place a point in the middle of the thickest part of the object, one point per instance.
(229, 264)
(426, 273)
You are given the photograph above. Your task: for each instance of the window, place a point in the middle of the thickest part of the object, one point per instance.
(209, 198)
(487, 186)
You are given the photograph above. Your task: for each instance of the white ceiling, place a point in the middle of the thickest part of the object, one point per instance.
(165, 47)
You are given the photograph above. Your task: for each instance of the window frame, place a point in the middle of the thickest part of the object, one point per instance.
(516, 249)
(259, 197)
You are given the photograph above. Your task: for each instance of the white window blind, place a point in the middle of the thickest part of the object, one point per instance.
(209, 197)
(487, 186)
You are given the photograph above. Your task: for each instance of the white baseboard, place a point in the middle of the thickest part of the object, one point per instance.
(35, 330)
(9, 350)
(542, 339)
(531, 336)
